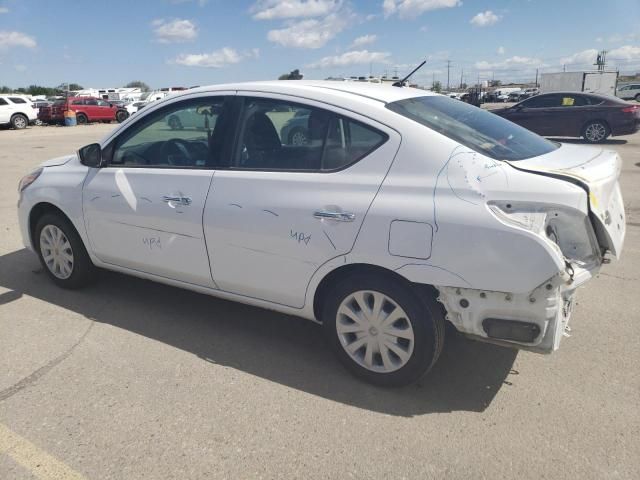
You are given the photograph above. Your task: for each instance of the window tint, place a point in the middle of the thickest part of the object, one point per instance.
(17, 100)
(543, 101)
(102, 103)
(3, 102)
(189, 134)
(77, 102)
(278, 135)
(478, 129)
(90, 101)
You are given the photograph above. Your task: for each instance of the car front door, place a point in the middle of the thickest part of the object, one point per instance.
(568, 115)
(533, 113)
(143, 210)
(282, 209)
(105, 110)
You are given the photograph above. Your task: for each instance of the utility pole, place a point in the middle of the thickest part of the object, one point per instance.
(461, 76)
(536, 78)
(601, 61)
(448, 68)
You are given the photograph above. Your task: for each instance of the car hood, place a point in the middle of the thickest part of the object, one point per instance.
(54, 162)
(597, 170)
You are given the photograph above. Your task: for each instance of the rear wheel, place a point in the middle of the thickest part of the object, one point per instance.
(381, 330)
(19, 121)
(596, 131)
(81, 119)
(62, 252)
(638, 97)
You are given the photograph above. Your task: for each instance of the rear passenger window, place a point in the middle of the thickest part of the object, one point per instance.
(17, 100)
(3, 102)
(277, 135)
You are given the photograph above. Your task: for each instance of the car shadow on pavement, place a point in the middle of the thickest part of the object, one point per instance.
(270, 345)
(609, 141)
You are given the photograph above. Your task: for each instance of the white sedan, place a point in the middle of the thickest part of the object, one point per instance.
(403, 210)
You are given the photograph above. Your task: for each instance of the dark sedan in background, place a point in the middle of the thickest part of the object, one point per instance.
(575, 114)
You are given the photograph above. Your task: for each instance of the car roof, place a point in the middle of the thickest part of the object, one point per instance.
(317, 89)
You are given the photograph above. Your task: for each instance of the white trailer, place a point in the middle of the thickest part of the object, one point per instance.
(590, 82)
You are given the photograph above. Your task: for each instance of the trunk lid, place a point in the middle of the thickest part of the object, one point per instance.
(597, 170)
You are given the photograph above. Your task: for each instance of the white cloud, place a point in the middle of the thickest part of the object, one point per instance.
(174, 31)
(485, 19)
(413, 8)
(351, 58)
(4, 10)
(501, 50)
(599, 39)
(277, 9)
(363, 40)
(216, 59)
(586, 57)
(627, 53)
(511, 63)
(311, 33)
(16, 39)
(20, 68)
(424, 28)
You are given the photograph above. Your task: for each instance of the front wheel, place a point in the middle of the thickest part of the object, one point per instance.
(381, 330)
(121, 116)
(62, 252)
(596, 131)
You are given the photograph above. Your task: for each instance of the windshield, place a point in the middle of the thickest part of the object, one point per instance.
(473, 127)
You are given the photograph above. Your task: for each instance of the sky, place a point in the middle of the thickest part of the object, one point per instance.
(164, 43)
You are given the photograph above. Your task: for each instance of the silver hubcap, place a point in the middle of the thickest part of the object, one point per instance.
(298, 138)
(375, 331)
(595, 132)
(56, 251)
(19, 122)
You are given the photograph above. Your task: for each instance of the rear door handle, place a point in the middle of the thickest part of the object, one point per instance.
(182, 200)
(338, 216)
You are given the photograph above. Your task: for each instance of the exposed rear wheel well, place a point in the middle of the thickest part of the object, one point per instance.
(38, 211)
(363, 268)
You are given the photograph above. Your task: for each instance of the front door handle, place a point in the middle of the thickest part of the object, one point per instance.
(181, 200)
(338, 216)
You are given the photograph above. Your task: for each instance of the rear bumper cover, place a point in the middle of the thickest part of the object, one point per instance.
(549, 306)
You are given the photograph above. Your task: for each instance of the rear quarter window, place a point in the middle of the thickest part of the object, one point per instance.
(17, 100)
(480, 130)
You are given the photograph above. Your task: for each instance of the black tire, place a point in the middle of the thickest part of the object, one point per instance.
(81, 119)
(121, 116)
(19, 121)
(422, 312)
(638, 97)
(83, 271)
(299, 136)
(174, 123)
(596, 131)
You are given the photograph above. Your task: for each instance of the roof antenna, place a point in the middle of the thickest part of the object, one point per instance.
(401, 82)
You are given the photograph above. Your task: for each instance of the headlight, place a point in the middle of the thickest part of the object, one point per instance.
(567, 229)
(29, 179)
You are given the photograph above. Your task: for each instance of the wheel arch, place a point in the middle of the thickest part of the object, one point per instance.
(344, 271)
(40, 209)
(593, 120)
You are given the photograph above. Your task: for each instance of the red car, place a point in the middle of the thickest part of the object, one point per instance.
(88, 109)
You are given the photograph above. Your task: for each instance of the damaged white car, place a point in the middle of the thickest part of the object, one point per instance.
(400, 211)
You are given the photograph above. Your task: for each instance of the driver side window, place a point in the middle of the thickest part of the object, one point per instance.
(188, 134)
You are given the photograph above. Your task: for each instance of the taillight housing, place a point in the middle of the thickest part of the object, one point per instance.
(631, 109)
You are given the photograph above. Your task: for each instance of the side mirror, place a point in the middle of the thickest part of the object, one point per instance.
(91, 155)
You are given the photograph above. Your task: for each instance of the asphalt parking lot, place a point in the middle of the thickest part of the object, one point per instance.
(129, 379)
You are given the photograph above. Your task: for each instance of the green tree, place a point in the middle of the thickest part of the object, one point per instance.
(39, 90)
(138, 84)
(437, 86)
(70, 86)
(293, 75)
(5, 89)
(495, 83)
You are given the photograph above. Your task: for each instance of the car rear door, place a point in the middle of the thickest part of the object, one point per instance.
(280, 211)
(5, 111)
(569, 115)
(143, 211)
